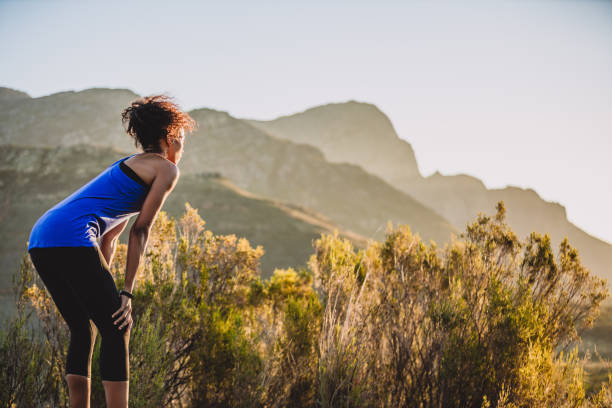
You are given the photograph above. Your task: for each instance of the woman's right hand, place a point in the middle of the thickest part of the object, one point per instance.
(124, 313)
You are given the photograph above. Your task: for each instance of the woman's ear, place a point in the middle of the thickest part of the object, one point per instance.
(165, 140)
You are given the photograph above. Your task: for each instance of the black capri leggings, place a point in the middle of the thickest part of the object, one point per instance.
(83, 288)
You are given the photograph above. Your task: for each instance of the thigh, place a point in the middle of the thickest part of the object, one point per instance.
(94, 286)
(50, 263)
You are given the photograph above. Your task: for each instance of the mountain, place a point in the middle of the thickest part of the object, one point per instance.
(255, 161)
(298, 173)
(350, 132)
(9, 95)
(342, 160)
(92, 116)
(347, 131)
(32, 179)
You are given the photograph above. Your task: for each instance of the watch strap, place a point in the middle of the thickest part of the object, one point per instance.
(126, 293)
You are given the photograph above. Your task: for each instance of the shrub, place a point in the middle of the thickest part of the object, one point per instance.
(479, 323)
(487, 321)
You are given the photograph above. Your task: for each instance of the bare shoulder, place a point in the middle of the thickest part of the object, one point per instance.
(152, 167)
(167, 174)
(168, 169)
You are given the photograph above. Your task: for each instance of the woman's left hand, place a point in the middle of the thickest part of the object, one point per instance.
(124, 313)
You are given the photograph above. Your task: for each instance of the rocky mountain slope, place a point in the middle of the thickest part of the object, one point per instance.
(351, 132)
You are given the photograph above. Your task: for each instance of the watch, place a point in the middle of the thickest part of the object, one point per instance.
(126, 293)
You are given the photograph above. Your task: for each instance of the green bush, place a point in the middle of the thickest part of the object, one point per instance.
(488, 321)
(25, 377)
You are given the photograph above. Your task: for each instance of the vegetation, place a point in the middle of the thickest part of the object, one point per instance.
(488, 321)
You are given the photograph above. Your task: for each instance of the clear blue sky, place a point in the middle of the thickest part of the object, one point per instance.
(512, 92)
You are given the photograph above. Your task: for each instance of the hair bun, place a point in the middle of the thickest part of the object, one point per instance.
(152, 118)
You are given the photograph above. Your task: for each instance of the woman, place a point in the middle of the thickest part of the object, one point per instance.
(72, 246)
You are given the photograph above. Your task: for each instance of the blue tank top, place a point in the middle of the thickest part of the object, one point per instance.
(82, 218)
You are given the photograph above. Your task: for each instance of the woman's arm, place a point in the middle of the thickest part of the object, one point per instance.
(163, 183)
(109, 242)
(161, 187)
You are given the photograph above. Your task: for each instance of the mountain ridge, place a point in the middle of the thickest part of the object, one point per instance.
(274, 161)
(458, 197)
(254, 160)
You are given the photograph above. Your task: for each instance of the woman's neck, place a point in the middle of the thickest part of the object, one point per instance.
(160, 153)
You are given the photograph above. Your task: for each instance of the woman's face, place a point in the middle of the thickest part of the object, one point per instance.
(175, 147)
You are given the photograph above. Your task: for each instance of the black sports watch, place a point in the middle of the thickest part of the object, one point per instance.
(126, 293)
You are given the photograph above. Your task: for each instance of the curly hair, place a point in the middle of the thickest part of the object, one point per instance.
(152, 118)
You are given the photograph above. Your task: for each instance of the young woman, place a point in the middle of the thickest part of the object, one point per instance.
(72, 245)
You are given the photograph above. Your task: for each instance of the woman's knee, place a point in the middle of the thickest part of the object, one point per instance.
(83, 336)
(112, 332)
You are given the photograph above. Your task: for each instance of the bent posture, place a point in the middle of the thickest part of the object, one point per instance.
(72, 245)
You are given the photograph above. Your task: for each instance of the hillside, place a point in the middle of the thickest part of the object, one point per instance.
(354, 129)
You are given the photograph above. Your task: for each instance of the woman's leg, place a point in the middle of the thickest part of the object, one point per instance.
(47, 262)
(80, 283)
(116, 393)
(79, 389)
(95, 287)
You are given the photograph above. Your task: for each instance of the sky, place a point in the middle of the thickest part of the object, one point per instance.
(512, 92)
